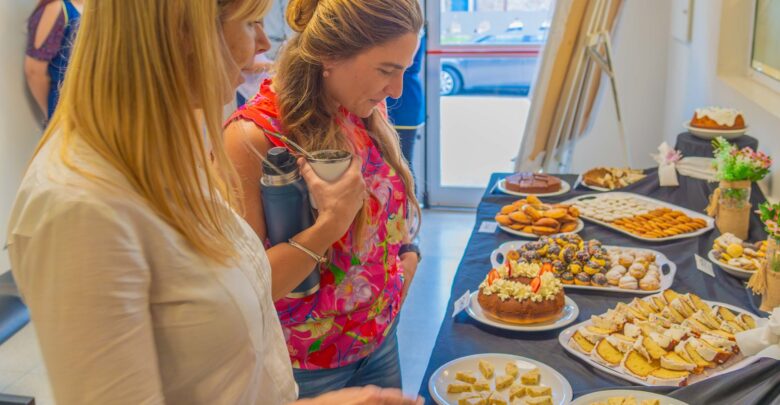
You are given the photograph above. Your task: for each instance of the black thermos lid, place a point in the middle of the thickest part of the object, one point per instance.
(279, 161)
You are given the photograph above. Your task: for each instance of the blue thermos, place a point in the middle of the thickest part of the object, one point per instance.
(287, 208)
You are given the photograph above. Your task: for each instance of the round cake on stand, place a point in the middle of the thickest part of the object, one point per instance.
(521, 294)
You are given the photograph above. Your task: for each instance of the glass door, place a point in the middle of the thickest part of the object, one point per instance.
(481, 61)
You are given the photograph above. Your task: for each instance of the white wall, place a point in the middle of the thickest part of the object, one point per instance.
(712, 70)
(640, 47)
(19, 128)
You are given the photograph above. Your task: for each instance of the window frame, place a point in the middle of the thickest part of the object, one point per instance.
(757, 76)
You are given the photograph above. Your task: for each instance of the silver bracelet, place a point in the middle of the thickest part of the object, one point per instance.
(317, 258)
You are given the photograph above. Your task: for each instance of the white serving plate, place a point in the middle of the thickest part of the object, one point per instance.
(580, 227)
(437, 386)
(710, 134)
(693, 214)
(569, 315)
(603, 396)
(581, 180)
(666, 278)
(565, 188)
(736, 363)
(734, 271)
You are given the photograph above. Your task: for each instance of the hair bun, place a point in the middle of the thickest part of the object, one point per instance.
(300, 12)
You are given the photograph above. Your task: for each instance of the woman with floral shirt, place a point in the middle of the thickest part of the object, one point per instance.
(329, 93)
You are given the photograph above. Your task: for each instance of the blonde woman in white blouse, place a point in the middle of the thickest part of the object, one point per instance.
(143, 283)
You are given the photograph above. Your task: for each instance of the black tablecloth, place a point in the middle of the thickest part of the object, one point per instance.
(690, 145)
(462, 336)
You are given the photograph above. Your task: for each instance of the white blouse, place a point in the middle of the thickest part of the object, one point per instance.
(126, 311)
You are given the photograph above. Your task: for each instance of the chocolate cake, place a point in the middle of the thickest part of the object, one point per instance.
(532, 183)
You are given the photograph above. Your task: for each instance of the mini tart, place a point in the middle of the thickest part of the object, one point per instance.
(635, 364)
(607, 354)
(663, 376)
(582, 278)
(599, 280)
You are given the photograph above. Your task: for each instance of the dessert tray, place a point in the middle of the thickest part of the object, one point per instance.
(679, 345)
(739, 258)
(733, 270)
(503, 377)
(604, 397)
(667, 268)
(705, 133)
(641, 217)
(567, 316)
(612, 178)
(565, 188)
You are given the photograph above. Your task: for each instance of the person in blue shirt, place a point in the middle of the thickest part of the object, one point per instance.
(408, 112)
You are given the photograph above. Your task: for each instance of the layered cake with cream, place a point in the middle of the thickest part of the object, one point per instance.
(521, 294)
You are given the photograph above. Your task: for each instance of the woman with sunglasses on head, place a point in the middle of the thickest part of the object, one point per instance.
(329, 93)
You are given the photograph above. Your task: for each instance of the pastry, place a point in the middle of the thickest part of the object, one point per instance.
(458, 388)
(516, 391)
(567, 278)
(663, 376)
(503, 382)
(637, 365)
(607, 354)
(649, 283)
(674, 361)
(614, 275)
(511, 369)
(611, 178)
(538, 391)
(718, 118)
(580, 343)
(582, 279)
(599, 280)
(531, 378)
(626, 260)
(486, 368)
(481, 385)
(532, 183)
(543, 400)
(730, 250)
(514, 302)
(466, 377)
(637, 270)
(628, 282)
(530, 215)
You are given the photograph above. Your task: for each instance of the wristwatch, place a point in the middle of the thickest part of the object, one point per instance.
(410, 248)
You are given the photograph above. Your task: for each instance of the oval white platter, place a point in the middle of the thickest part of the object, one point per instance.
(710, 134)
(733, 270)
(661, 259)
(568, 315)
(603, 396)
(661, 204)
(729, 366)
(580, 227)
(437, 386)
(565, 188)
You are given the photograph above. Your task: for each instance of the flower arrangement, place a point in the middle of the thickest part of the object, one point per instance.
(734, 164)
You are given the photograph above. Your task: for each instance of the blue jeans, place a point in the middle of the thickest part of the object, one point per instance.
(381, 368)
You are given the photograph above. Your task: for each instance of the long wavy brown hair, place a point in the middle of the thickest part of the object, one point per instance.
(340, 30)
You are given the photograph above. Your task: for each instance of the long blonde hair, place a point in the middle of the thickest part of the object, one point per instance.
(139, 72)
(340, 30)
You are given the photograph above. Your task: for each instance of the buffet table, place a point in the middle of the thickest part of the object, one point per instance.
(463, 336)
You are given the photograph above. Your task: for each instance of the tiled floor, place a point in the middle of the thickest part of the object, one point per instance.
(443, 238)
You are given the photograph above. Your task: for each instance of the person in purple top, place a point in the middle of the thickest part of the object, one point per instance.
(50, 33)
